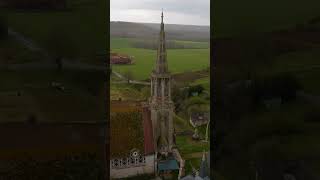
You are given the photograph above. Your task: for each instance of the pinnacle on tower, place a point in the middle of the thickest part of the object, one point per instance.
(162, 16)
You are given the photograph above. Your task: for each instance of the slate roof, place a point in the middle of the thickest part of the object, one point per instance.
(170, 164)
(148, 134)
(204, 170)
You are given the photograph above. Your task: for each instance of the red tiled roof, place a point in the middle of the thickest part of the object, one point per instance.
(148, 134)
(130, 128)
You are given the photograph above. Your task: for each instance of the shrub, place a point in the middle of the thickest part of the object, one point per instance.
(195, 89)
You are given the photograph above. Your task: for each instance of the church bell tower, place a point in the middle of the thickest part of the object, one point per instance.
(161, 105)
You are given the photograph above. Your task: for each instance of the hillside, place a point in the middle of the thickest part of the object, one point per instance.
(151, 30)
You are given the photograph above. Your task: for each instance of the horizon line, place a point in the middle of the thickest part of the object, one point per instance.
(159, 23)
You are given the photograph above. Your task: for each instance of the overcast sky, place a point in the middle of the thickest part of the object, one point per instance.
(191, 12)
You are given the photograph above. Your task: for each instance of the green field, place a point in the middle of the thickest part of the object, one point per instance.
(179, 60)
(251, 16)
(129, 42)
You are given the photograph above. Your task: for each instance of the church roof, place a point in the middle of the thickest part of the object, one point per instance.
(130, 127)
(170, 164)
(148, 134)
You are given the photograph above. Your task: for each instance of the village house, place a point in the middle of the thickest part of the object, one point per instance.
(116, 58)
(199, 118)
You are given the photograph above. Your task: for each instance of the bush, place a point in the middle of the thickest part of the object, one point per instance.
(195, 89)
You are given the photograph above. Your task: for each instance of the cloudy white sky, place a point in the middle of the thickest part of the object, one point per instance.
(192, 12)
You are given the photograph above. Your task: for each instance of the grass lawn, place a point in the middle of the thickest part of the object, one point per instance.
(191, 151)
(116, 43)
(196, 45)
(188, 146)
(179, 61)
(192, 163)
(84, 22)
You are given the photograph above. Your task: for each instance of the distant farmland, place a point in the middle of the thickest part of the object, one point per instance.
(180, 60)
(151, 31)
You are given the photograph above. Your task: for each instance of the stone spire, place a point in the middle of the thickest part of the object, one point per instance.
(161, 105)
(161, 63)
(203, 171)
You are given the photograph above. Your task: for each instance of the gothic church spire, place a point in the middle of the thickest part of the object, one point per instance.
(161, 63)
